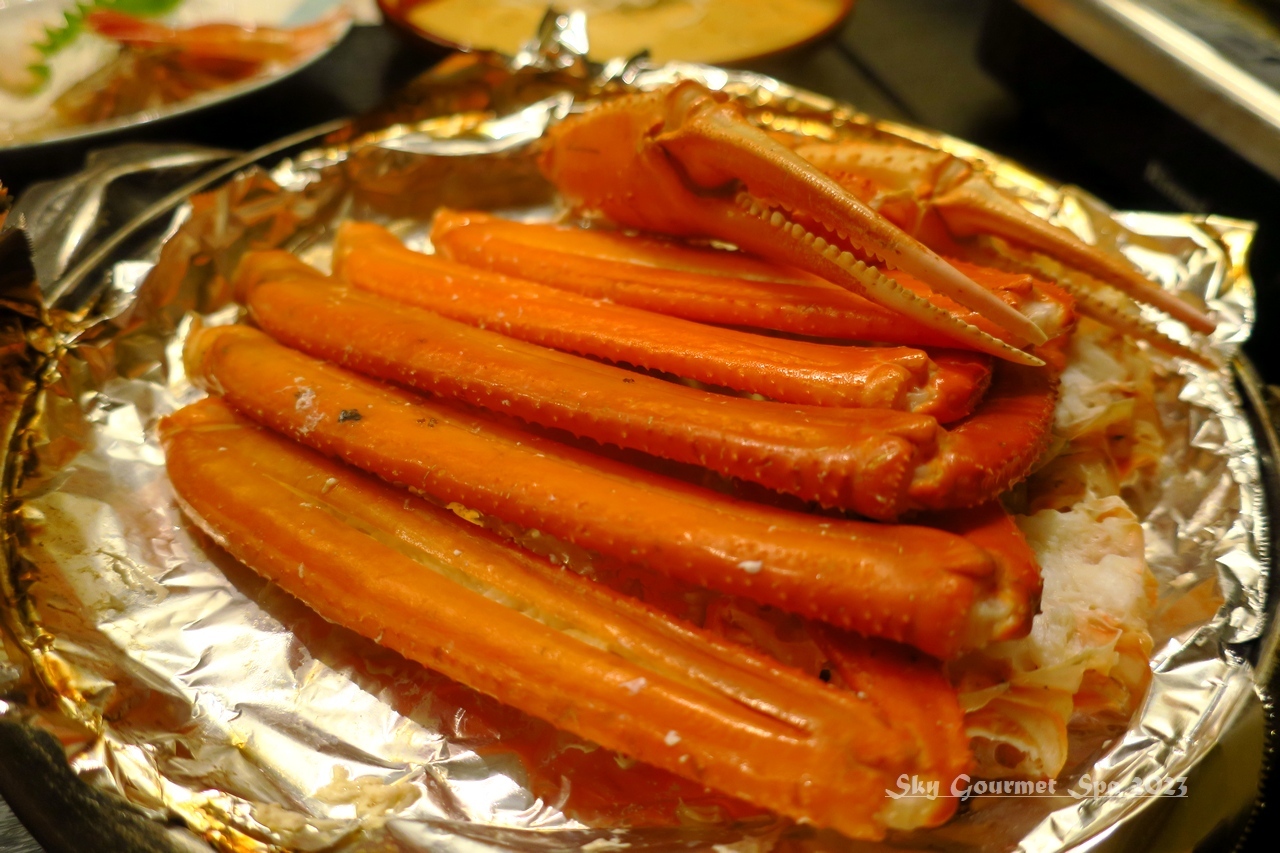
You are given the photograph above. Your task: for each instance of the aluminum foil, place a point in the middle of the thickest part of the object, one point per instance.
(181, 682)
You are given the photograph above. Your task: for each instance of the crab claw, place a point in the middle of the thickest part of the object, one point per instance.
(684, 161)
(974, 206)
(912, 186)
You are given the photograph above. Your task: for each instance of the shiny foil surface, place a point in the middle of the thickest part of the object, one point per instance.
(177, 679)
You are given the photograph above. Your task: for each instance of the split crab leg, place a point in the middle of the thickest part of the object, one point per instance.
(684, 161)
(560, 647)
(946, 386)
(879, 463)
(938, 197)
(721, 287)
(925, 587)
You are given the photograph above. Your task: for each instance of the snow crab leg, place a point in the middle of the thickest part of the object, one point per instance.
(925, 587)
(879, 463)
(724, 288)
(684, 161)
(946, 385)
(560, 647)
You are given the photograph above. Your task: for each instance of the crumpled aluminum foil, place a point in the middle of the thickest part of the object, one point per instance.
(180, 681)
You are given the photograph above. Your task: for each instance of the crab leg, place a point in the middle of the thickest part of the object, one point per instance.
(714, 286)
(967, 205)
(372, 259)
(995, 447)
(842, 658)
(560, 647)
(931, 589)
(854, 458)
(877, 462)
(992, 527)
(684, 161)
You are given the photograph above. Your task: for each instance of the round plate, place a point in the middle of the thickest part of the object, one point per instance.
(711, 31)
(23, 23)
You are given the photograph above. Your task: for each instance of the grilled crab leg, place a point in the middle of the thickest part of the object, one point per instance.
(946, 386)
(925, 587)
(937, 197)
(879, 463)
(683, 161)
(560, 647)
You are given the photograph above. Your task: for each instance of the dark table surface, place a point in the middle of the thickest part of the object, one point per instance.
(909, 60)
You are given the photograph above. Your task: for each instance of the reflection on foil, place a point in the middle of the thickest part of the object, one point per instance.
(505, 133)
(190, 687)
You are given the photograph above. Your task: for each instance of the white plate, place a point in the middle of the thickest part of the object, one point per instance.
(22, 24)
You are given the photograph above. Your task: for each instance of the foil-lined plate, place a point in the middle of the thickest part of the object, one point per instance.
(177, 680)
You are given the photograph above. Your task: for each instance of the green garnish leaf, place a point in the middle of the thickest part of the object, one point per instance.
(59, 36)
